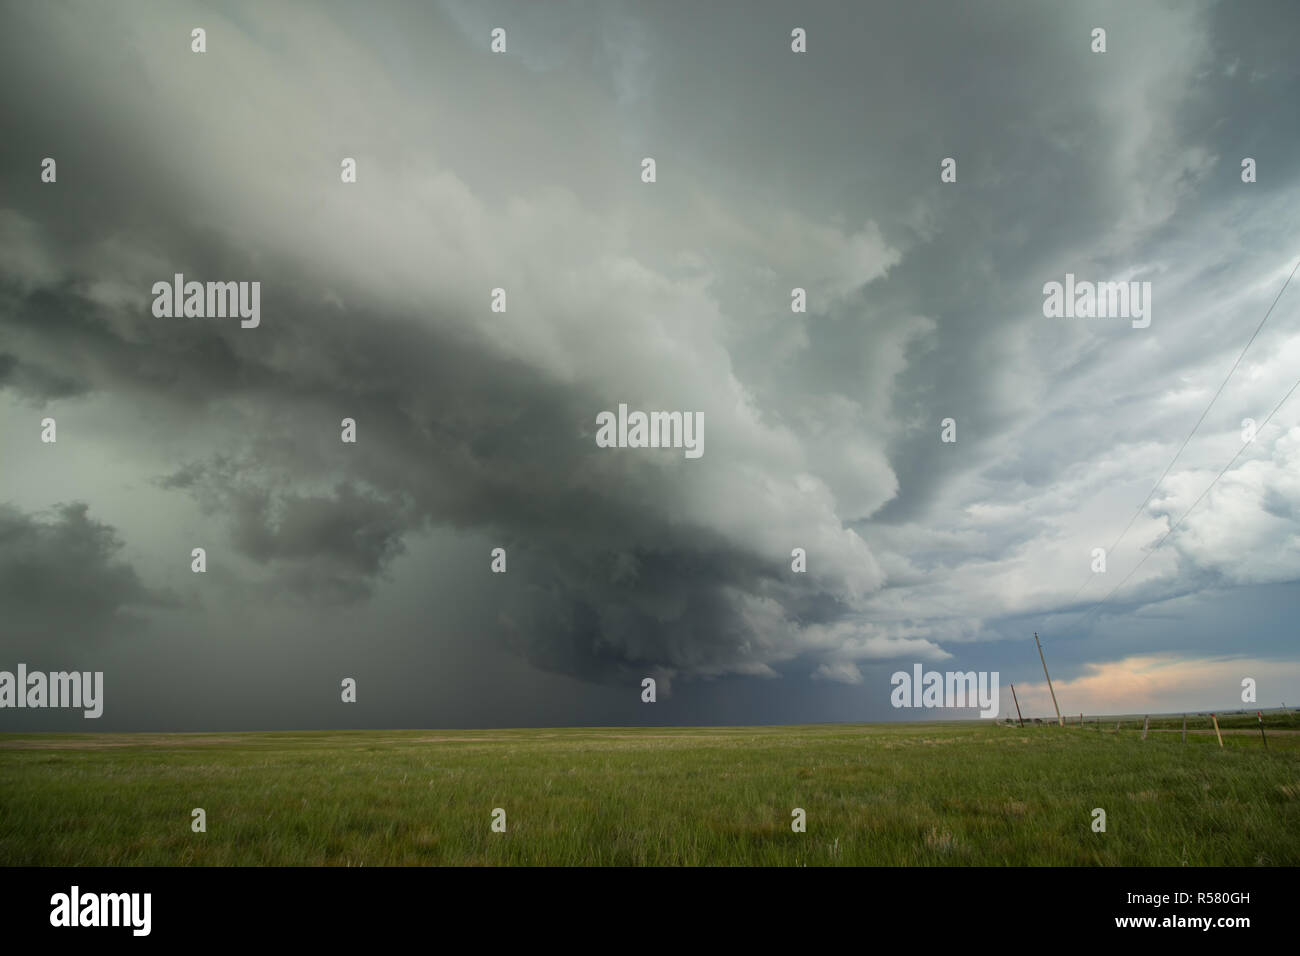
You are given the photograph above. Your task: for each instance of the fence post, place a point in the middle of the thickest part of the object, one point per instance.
(1145, 724)
(1216, 729)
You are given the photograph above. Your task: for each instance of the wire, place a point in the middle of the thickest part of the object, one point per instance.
(1181, 448)
(1174, 526)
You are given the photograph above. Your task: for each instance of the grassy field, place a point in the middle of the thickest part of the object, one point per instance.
(896, 794)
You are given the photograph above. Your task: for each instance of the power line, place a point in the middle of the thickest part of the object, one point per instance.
(1174, 526)
(1181, 448)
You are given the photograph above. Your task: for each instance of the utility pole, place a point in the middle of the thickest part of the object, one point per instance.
(1059, 721)
(1017, 700)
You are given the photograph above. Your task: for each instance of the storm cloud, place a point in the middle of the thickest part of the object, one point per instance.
(475, 428)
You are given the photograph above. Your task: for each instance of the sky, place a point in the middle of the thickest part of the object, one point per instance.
(477, 429)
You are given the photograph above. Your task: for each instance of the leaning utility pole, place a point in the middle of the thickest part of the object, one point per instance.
(1059, 721)
(1017, 700)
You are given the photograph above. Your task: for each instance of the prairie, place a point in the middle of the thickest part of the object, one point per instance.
(960, 793)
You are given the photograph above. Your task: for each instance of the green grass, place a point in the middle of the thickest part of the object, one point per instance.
(898, 794)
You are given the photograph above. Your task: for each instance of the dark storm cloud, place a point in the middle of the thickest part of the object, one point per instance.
(330, 544)
(61, 580)
(448, 434)
(34, 381)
